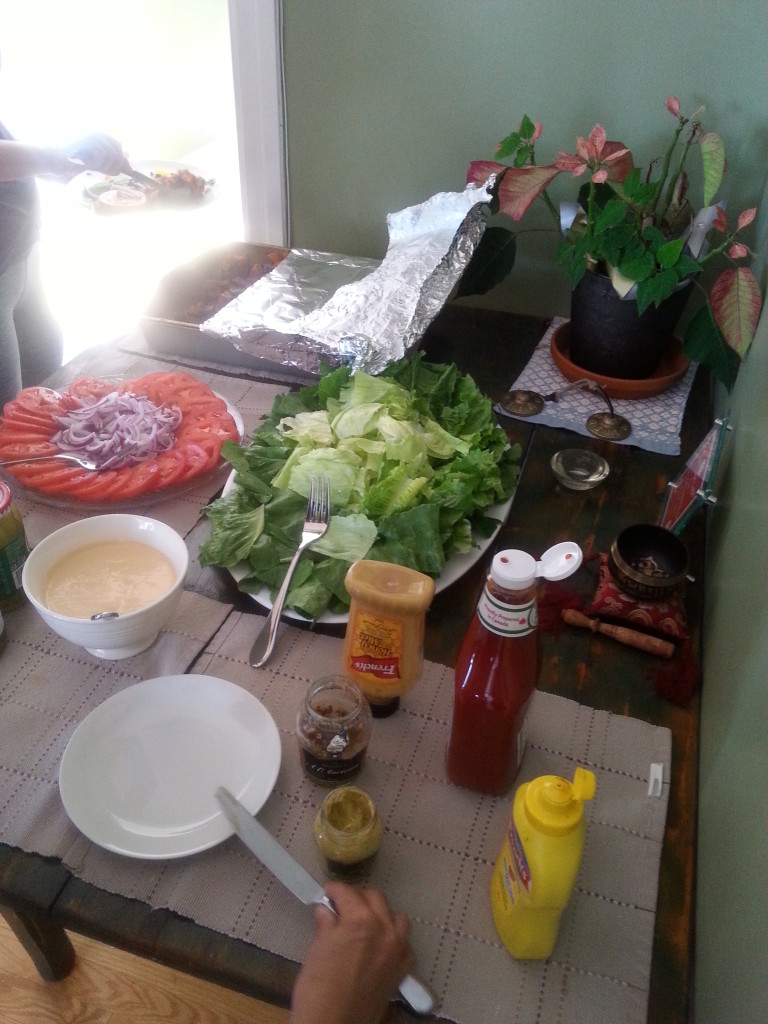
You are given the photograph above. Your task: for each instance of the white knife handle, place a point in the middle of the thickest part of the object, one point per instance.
(416, 995)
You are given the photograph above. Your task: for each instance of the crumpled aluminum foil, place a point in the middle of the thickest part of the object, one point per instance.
(322, 308)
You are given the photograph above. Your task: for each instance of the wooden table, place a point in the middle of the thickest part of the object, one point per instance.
(40, 898)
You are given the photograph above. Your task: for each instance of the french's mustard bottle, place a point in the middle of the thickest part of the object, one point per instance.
(539, 861)
(384, 642)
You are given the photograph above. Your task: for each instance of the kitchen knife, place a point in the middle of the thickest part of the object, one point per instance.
(300, 882)
(144, 179)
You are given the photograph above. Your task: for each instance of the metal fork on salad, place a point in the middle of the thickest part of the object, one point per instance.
(315, 525)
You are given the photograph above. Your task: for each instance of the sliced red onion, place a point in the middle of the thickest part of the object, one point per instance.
(103, 428)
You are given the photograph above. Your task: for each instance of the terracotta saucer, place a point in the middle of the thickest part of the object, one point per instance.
(671, 368)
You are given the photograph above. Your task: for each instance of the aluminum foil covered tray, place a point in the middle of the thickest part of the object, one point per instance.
(310, 309)
(196, 290)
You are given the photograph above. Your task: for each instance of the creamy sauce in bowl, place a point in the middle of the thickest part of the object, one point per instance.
(108, 576)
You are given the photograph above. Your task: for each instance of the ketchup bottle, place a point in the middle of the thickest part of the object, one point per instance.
(497, 670)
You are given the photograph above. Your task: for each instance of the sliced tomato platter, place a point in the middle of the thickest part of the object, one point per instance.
(31, 421)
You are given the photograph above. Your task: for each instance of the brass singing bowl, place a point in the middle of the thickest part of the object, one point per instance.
(648, 561)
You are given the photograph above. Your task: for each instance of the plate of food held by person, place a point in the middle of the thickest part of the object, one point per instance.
(157, 185)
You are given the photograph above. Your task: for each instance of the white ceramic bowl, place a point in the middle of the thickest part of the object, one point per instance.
(124, 635)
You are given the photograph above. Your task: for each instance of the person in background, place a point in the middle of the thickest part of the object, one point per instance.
(356, 961)
(31, 344)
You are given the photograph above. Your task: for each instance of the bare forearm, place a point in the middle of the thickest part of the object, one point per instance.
(20, 160)
(97, 152)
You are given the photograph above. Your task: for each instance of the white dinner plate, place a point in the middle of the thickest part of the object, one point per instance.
(140, 772)
(454, 568)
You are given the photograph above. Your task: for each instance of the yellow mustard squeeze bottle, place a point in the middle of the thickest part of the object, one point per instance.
(384, 642)
(539, 860)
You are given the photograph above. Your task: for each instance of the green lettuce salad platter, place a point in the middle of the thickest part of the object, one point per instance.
(420, 474)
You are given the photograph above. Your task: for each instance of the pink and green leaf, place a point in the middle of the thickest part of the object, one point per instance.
(713, 161)
(518, 189)
(735, 299)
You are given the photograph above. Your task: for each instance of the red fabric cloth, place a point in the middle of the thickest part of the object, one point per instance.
(679, 679)
(665, 618)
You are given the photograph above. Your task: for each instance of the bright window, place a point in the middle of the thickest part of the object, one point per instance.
(158, 75)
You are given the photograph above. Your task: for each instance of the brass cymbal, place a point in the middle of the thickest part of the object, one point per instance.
(522, 402)
(609, 426)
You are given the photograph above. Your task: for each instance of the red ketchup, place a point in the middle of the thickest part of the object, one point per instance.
(495, 677)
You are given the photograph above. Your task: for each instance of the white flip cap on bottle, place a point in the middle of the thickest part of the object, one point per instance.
(516, 569)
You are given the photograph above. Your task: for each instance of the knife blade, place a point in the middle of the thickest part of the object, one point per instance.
(144, 179)
(296, 878)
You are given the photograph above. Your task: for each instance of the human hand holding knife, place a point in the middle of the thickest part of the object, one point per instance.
(300, 882)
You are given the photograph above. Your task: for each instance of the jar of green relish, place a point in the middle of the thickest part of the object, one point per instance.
(348, 832)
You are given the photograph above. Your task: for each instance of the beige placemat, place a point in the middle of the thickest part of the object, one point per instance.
(440, 842)
(47, 687)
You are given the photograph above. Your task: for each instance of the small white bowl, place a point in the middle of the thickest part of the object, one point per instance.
(579, 468)
(124, 635)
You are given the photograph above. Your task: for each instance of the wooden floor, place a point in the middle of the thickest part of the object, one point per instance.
(110, 987)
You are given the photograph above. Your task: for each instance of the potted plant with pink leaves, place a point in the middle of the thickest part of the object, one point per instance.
(634, 245)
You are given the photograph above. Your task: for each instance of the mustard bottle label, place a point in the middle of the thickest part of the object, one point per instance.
(521, 868)
(376, 646)
(513, 875)
(507, 619)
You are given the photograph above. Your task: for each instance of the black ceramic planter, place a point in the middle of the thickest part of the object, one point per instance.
(608, 337)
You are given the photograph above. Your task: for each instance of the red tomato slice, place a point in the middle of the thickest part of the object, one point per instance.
(25, 449)
(16, 412)
(87, 389)
(147, 475)
(164, 387)
(21, 435)
(197, 458)
(110, 485)
(23, 425)
(212, 445)
(38, 399)
(136, 480)
(48, 477)
(145, 384)
(94, 486)
(214, 428)
(61, 483)
(171, 465)
(198, 408)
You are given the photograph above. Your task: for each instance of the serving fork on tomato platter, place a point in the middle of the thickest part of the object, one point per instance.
(82, 460)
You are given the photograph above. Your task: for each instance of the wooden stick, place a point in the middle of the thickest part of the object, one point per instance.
(631, 637)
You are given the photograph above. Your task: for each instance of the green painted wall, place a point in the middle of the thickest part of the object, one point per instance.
(732, 925)
(387, 102)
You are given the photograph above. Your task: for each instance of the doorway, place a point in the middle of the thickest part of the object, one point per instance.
(156, 74)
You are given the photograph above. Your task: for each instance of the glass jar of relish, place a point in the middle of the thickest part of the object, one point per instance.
(333, 726)
(348, 832)
(13, 551)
